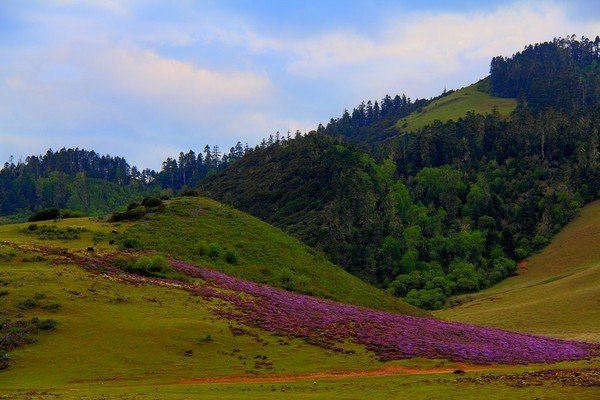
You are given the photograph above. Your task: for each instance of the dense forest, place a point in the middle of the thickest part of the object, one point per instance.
(452, 207)
(86, 181)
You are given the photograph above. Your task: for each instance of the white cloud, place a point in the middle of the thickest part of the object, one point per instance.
(416, 47)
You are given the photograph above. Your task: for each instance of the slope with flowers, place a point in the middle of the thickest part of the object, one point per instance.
(180, 329)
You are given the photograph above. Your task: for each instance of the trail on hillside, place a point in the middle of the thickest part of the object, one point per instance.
(387, 370)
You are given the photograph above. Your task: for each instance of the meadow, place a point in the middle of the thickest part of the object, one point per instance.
(456, 105)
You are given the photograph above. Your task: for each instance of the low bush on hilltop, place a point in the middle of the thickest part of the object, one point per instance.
(54, 213)
(137, 211)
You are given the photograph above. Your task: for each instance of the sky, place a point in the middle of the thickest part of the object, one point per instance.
(147, 79)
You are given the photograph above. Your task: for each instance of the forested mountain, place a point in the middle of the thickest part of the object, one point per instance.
(452, 206)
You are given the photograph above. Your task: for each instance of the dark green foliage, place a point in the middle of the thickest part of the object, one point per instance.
(190, 193)
(134, 212)
(53, 307)
(563, 74)
(7, 255)
(231, 257)
(152, 202)
(14, 334)
(48, 232)
(45, 215)
(130, 243)
(152, 266)
(4, 293)
(28, 304)
(214, 250)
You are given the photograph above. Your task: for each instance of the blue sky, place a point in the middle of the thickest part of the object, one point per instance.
(146, 79)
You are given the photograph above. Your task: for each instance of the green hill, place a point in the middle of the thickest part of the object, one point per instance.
(206, 232)
(556, 293)
(457, 104)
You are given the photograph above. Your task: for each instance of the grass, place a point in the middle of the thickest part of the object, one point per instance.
(112, 331)
(558, 294)
(455, 105)
(208, 233)
(116, 340)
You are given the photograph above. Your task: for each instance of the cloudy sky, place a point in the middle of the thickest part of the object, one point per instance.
(146, 79)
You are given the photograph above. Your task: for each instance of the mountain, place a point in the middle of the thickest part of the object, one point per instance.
(555, 293)
(451, 207)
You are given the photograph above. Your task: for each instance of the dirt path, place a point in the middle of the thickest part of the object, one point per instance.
(387, 370)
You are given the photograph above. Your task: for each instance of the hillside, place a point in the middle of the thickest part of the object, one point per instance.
(450, 207)
(206, 232)
(110, 333)
(556, 293)
(473, 98)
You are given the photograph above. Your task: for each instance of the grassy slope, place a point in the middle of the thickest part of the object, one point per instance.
(558, 295)
(128, 341)
(456, 105)
(265, 254)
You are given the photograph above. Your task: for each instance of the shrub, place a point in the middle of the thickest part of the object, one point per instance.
(430, 299)
(132, 214)
(151, 201)
(3, 293)
(190, 193)
(47, 232)
(7, 256)
(130, 243)
(156, 266)
(53, 307)
(231, 257)
(27, 304)
(214, 251)
(66, 213)
(45, 215)
(47, 325)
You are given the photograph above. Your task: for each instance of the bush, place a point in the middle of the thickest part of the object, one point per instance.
(214, 251)
(7, 256)
(47, 325)
(132, 214)
(66, 213)
(47, 232)
(27, 304)
(53, 307)
(151, 201)
(156, 266)
(130, 243)
(3, 293)
(45, 215)
(231, 257)
(190, 193)
(429, 299)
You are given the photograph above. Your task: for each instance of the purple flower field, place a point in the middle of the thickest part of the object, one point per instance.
(328, 324)
(391, 336)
